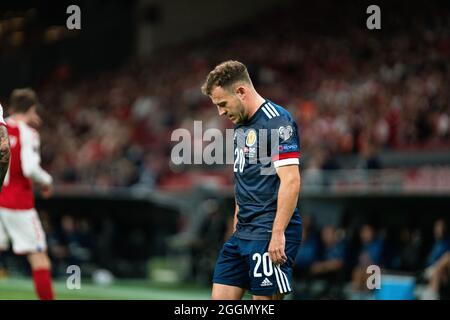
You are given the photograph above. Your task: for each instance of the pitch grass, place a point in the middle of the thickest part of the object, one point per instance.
(22, 289)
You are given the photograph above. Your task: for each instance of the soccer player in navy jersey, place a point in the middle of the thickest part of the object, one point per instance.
(258, 257)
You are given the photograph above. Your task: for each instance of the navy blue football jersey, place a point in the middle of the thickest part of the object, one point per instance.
(269, 139)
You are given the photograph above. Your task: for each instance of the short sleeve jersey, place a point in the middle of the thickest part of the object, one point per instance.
(268, 140)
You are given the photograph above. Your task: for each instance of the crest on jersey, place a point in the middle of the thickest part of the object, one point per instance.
(285, 132)
(251, 138)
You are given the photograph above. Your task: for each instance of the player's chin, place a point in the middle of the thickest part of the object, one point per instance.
(235, 120)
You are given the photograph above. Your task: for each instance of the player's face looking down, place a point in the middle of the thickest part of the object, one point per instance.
(229, 102)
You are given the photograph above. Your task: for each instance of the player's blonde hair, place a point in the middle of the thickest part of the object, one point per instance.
(225, 75)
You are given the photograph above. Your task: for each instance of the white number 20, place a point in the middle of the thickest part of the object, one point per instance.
(266, 263)
(239, 162)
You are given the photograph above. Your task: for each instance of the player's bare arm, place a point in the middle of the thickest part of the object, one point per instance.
(4, 153)
(287, 201)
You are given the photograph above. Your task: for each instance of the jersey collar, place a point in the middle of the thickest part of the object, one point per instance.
(255, 115)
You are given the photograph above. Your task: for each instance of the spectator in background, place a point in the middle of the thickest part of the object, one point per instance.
(370, 254)
(440, 276)
(207, 240)
(309, 249)
(86, 240)
(71, 243)
(307, 255)
(441, 242)
(411, 248)
(329, 166)
(57, 251)
(369, 159)
(330, 265)
(312, 174)
(77, 240)
(438, 262)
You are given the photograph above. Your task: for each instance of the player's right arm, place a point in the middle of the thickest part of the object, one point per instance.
(31, 160)
(5, 151)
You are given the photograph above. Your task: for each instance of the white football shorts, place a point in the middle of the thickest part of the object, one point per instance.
(24, 229)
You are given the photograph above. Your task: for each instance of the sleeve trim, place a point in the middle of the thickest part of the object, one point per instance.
(286, 155)
(286, 162)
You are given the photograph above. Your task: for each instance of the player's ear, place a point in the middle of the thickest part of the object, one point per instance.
(241, 91)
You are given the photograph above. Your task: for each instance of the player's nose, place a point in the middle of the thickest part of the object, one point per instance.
(222, 112)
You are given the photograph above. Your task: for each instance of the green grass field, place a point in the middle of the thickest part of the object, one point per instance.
(22, 289)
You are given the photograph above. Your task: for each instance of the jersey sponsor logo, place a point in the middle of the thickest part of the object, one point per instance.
(251, 138)
(291, 147)
(285, 132)
(266, 283)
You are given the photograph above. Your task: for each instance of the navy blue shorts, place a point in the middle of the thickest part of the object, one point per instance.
(246, 264)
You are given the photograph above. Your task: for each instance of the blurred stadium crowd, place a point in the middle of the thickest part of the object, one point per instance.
(352, 92)
(333, 261)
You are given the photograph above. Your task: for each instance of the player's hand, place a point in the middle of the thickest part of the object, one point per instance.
(46, 191)
(276, 248)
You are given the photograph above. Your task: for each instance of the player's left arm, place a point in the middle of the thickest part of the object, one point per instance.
(287, 202)
(4, 154)
(31, 161)
(5, 151)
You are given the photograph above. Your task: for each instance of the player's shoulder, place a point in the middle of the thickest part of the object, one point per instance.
(275, 114)
(11, 123)
(25, 130)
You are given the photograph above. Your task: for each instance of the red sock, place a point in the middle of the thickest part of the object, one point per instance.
(43, 284)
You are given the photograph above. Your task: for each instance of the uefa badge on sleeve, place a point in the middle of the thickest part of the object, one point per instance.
(285, 132)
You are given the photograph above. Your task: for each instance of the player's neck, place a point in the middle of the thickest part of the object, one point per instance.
(254, 104)
(19, 117)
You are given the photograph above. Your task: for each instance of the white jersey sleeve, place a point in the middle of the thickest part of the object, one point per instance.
(2, 121)
(30, 156)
